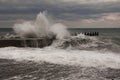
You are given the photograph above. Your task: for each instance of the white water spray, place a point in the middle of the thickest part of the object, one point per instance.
(60, 31)
(41, 27)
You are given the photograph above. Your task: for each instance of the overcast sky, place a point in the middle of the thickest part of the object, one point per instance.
(72, 13)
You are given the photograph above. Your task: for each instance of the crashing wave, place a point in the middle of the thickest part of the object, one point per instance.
(74, 42)
(83, 42)
(41, 27)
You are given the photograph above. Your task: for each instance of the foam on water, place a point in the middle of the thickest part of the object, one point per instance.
(61, 56)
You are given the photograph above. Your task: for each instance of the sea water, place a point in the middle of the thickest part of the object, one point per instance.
(69, 59)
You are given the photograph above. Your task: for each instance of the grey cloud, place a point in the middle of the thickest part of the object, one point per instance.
(27, 6)
(70, 11)
(84, 11)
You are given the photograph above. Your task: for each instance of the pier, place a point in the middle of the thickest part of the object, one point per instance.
(86, 33)
(35, 42)
(28, 42)
(92, 33)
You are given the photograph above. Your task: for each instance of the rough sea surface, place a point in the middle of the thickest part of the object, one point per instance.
(75, 58)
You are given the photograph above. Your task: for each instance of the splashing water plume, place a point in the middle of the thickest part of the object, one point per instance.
(41, 27)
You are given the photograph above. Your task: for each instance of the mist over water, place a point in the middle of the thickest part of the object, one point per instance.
(41, 27)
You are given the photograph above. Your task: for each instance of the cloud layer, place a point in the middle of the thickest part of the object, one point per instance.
(73, 13)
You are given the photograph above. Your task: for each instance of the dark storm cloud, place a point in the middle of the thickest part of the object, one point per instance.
(86, 11)
(70, 10)
(59, 10)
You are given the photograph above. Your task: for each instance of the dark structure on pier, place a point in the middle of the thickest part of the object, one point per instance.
(86, 33)
(92, 33)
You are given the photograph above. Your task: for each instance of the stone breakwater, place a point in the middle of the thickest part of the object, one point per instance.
(28, 42)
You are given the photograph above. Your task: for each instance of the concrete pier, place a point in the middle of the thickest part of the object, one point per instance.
(28, 42)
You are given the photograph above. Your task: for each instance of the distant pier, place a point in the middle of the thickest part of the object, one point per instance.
(86, 33)
(92, 33)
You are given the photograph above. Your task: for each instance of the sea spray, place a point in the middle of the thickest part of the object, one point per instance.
(25, 29)
(60, 31)
(41, 27)
(78, 42)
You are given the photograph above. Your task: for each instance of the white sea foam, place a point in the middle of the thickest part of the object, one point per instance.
(60, 56)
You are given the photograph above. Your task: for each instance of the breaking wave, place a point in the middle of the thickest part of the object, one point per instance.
(82, 42)
(41, 27)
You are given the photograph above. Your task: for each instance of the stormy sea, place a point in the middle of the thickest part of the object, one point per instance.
(69, 57)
